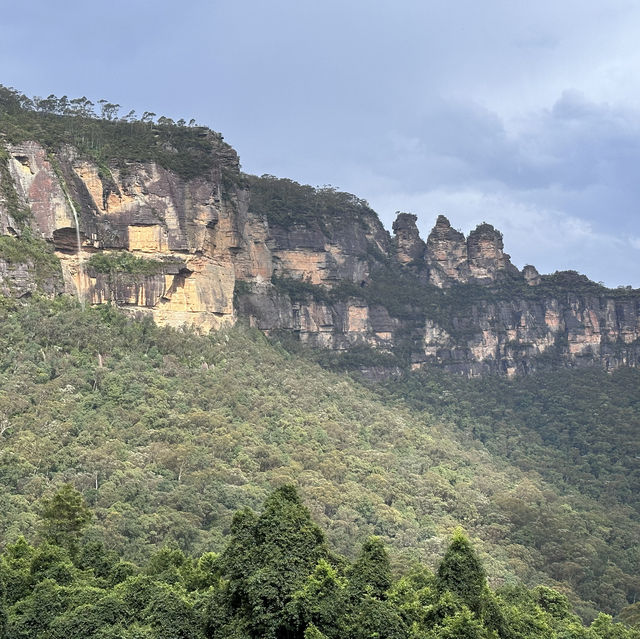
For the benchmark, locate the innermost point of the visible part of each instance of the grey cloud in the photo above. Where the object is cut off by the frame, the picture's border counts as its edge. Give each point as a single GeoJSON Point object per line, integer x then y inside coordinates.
{"type": "Point", "coordinates": [406, 99]}
{"type": "Point", "coordinates": [567, 176]}
{"type": "Point", "coordinates": [574, 144]}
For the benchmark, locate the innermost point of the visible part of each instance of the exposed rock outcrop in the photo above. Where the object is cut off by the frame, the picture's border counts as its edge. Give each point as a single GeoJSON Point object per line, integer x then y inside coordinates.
{"type": "Point", "coordinates": [203, 253]}
{"type": "Point", "coordinates": [531, 275]}
{"type": "Point", "coordinates": [487, 260]}
{"type": "Point", "coordinates": [410, 247]}
{"type": "Point", "coordinates": [522, 335]}
{"type": "Point", "coordinates": [148, 211]}
{"type": "Point", "coordinates": [16, 279]}
{"type": "Point", "coordinates": [479, 258]}
{"type": "Point", "coordinates": [447, 256]}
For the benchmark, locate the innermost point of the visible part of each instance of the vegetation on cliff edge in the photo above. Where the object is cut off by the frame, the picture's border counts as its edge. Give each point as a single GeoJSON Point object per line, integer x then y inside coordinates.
{"type": "Point", "coordinates": [54, 122]}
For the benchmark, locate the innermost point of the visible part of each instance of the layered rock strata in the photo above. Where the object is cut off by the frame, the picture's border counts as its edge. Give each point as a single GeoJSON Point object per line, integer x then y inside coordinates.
{"type": "Point", "coordinates": [523, 335]}
{"type": "Point", "coordinates": [206, 256]}
{"type": "Point", "coordinates": [453, 259]}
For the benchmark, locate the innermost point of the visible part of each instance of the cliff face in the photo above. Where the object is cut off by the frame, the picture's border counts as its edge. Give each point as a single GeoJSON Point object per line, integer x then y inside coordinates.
{"type": "Point", "coordinates": [523, 335]}
{"type": "Point", "coordinates": [208, 250]}
{"type": "Point", "coordinates": [452, 259]}
{"type": "Point", "coordinates": [197, 237]}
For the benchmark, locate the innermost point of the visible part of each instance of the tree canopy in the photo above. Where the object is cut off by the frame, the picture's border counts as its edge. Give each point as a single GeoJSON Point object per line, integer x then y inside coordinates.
{"type": "Point", "coordinates": [275, 579]}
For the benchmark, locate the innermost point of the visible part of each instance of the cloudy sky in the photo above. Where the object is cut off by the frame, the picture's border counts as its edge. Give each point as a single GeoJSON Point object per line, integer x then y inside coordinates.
{"type": "Point", "coordinates": [525, 117]}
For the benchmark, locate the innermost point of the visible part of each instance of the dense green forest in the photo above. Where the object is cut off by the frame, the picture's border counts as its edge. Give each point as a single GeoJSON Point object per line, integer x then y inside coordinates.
{"type": "Point", "coordinates": [577, 428]}
{"type": "Point", "coordinates": [167, 433]}
{"type": "Point", "coordinates": [276, 578]}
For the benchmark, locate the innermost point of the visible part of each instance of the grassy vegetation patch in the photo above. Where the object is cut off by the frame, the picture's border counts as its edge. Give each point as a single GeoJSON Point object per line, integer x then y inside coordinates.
{"type": "Point", "coordinates": [28, 249]}
{"type": "Point", "coordinates": [125, 262]}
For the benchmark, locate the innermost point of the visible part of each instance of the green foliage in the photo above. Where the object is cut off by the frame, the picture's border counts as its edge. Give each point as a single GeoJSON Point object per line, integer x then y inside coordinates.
{"type": "Point", "coordinates": [320, 602]}
{"type": "Point", "coordinates": [268, 559]}
{"type": "Point", "coordinates": [371, 572]}
{"type": "Point", "coordinates": [87, 620]}
{"type": "Point", "coordinates": [308, 602]}
{"type": "Point", "coordinates": [460, 625]}
{"type": "Point", "coordinates": [94, 556]}
{"type": "Point", "coordinates": [31, 250]}
{"type": "Point", "coordinates": [603, 626]}
{"type": "Point", "coordinates": [54, 122]}
{"type": "Point", "coordinates": [286, 203]}
{"type": "Point", "coordinates": [461, 572]}
{"type": "Point", "coordinates": [630, 615]}
{"type": "Point", "coordinates": [360, 357]}
{"type": "Point", "coordinates": [65, 515]}
{"type": "Point", "coordinates": [413, 595]}
{"type": "Point", "coordinates": [578, 430]}
{"type": "Point", "coordinates": [3, 606]}
{"type": "Point", "coordinates": [34, 614]}
{"type": "Point", "coordinates": [171, 615]}
{"type": "Point", "coordinates": [313, 633]}
{"type": "Point", "coordinates": [165, 450]}
{"type": "Point", "coordinates": [124, 262]}
{"type": "Point", "coordinates": [51, 561]}
{"type": "Point", "coordinates": [375, 619]}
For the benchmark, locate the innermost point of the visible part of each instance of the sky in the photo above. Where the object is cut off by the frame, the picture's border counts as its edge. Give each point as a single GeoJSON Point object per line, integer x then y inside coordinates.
{"type": "Point", "coordinates": [526, 116]}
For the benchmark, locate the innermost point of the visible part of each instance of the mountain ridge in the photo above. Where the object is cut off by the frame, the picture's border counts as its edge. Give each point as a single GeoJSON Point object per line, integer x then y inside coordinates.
{"type": "Point", "coordinates": [210, 245]}
{"type": "Point", "coordinates": [167, 432]}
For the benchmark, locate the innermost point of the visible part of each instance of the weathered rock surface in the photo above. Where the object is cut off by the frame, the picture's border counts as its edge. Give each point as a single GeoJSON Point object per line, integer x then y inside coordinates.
{"type": "Point", "coordinates": [215, 258]}
{"type": "Point", "coordinates": [16, 279]}
{"type": "Point", "coordinates": [410, 247]}
{"type": "Point", "coordinates": [453, 259]}
{"type": "Point", "coordinates": [531, 275]}
{"type": "Point", "coordinates": [509, 337]}
{"type": "Point", "coordinates": [149, 212]}
{"type": "Point", "coordinates": [447, 256]}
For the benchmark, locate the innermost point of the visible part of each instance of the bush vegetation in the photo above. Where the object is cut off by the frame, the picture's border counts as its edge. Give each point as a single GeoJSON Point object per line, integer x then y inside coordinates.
{"type": "Point", "coordinates": [124, 262]}
{"type": "Point", "coordinates": [190, 151]}
{"type": "Point", "coordinates": [276, 577]}
{"type": "Point", "coordinates": [285, 203]}
{"type": "Point", "coordinates": [167, 433]}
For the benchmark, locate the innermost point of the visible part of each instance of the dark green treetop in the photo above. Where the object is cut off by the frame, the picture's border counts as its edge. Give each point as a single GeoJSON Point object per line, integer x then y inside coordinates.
{"type": "Point", "coordinates": [64, 517]}
{"type": "Point", "coordinates": [461, 572]}
{"type": "Point", "coordinates": [371, 572]}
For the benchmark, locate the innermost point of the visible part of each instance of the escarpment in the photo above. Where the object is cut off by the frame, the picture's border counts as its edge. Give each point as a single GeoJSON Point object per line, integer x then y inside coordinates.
{"type": "Point", "coordinates": [211, 247]}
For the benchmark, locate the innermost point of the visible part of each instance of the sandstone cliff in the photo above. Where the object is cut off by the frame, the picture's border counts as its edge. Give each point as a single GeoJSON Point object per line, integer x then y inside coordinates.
{"type": "Point", "coordinates": [208, 249]}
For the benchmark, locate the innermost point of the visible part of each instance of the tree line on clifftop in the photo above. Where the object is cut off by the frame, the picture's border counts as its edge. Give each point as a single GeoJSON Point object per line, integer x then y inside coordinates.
{"type": "Point", "coordinates": [13, 101]}
{"type": "Point", "coordinates": [184, 147]}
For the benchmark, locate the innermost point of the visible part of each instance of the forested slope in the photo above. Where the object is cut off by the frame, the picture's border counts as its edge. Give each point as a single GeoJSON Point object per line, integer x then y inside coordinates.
{"type": "Point", "coordinates": [276, 578]}
{"type": "Point", "coordinates": [166, 434]}
{"type": "Point", "coordinates": [577, 427]}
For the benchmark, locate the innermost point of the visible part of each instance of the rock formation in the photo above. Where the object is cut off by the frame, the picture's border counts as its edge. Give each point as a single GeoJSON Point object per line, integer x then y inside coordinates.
{"type": "Point", "coordinates": [453, 259]}
{"type": "Point", "coordinates": [205, 251]}
{"type": "Point", "coordinates": [447, 256]}
{"type": "Point", "coordinates": [410, 247]}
